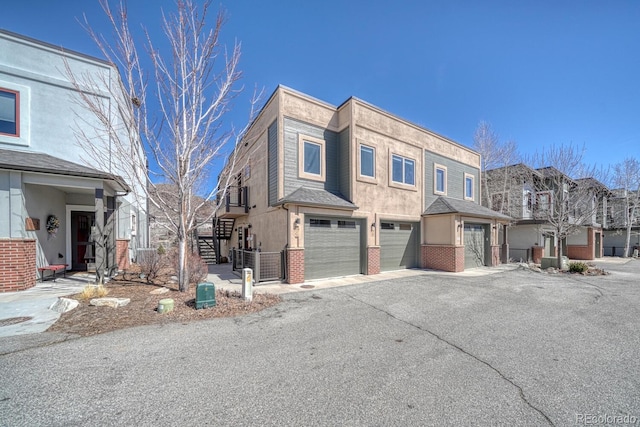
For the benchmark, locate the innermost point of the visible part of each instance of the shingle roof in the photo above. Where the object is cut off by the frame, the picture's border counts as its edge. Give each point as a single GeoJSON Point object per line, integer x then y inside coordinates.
{"type": "Point", "coordinates": [316, 197]}
{"type": "Point", "coordinates": [446, 205]}
{"type": "Point", "coordinates": [44, 163]}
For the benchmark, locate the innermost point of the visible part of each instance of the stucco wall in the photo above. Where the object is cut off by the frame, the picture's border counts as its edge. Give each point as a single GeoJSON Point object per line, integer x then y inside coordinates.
{"type": "Point", "coordinates": [579, 238]}
{"type": "Point", "coordinates": [40, 202]}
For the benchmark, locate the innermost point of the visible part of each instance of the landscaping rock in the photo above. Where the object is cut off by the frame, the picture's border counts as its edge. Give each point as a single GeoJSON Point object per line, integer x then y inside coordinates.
{"type": "Point", "coordinates": [63, 305]}
{"type": "Point", "coordinates": [159, 291]}
{"type": "Point", "coordinates": [109, 302]}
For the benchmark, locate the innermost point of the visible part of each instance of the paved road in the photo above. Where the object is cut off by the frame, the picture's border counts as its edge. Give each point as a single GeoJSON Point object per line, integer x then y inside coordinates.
{"type": "Point", "coordinates": [514, 348]}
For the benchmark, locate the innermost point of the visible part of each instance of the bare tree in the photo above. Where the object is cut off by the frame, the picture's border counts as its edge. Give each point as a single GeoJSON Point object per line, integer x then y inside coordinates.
{"type": "Point", "coordinates": [496, 156]}
{"type": "Point", "coordinates": [626, 179]}
{"type": "Point", "coordinates": [173, 111]}
{"type": "Point", "coordinates": [567, 191]}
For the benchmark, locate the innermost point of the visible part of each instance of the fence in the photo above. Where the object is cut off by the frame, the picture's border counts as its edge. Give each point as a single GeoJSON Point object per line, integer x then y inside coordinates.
{"type": "Point", "coordinates": [265, 265]}
{"type": "Point", "coordinates": [145, 255]}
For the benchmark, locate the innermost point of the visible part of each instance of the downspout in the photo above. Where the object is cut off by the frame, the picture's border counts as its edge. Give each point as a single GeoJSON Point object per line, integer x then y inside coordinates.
{"type": "Point", "coordinates": [285, 269]}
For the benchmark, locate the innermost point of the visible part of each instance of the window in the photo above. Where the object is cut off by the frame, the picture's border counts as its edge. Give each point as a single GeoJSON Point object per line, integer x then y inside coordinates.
{"type": "Point", "coordinates": [9, 112]}
{"type": "Point", "coordinates": [367, 161]}
{"type": "Point", "coordinates": [543, 202]}
{"type": "Point", "coordinates": [440, 180]}
{"type": "Point", "coordinates": [133, 224]}
{"type": "Point", "coordinates": [346, 224]}
{"type": "Point", "coordinates": [403, 170]}
{"type": "Point", "coordinates": [387, 226]}
{"type": "Point", "coordinates": [311, 153]}
{"type": "Point", "coordinates": [528, 200]}
{"type": "Point", "coordinates": [406, 227]}
{"type": "Point", "coordinates": [324, 223]}
{"type": "Point", "coordinates": [469, 186]}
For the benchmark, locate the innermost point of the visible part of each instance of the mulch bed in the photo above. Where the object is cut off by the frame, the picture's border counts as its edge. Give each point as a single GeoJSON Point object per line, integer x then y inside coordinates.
{"type": "Point", "coordinates": [88, 320]}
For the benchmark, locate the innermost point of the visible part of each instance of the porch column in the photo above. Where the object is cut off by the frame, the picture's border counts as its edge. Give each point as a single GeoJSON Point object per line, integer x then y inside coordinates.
{"type": "Point", "coordinates": [98, 234]}
{"type": "Point", "coordinates": [504, 255]}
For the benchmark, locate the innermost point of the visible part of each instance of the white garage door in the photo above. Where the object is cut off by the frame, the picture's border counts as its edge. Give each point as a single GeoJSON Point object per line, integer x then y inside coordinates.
{"type": "Point", "coordinates": [398, 245]}
{"type": "Point", "coordinates": [331, 247]}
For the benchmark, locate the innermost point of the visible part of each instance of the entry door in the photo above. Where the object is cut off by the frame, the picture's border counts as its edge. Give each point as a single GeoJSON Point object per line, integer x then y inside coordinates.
{"type": "Point", "coordinates": [598, 245]}
{"type": "Point", "coordinates": [83, 249]}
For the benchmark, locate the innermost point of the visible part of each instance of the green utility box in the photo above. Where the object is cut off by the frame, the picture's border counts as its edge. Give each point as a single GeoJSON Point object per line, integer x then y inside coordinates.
{"type": "Point", "coordinates": [205, 295]}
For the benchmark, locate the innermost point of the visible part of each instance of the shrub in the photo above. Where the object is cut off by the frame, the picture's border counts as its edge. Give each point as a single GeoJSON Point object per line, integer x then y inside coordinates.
{"type": "Point", "coordinates": [198, 269]}
{"type": "Point", "coordinates": [161, 250]}
{"type": "Point", "coordinates": [92, 291]}
{"type": "Point", "coordinates": [150, 262]}
{"type": "Point", "coordinates": [578, 267]}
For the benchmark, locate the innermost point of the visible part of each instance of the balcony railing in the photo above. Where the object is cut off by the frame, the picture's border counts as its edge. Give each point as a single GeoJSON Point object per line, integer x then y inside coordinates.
{"type": "Point", "coordinates": [236, 202]}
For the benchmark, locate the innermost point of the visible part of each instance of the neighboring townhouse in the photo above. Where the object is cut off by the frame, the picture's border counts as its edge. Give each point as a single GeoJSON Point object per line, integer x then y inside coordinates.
{"type": "Point", "coordinates": [550, 210]}
{"type": "Point", "coordinates": [620, 208]}
{"type": "Point", "coordinates": [351, 190]}
{"type": "Point", "coordinates": [54, 209]}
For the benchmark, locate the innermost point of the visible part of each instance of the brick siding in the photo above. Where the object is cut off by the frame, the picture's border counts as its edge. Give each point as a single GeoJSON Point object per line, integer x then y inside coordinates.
{"type": "Point", "coordinates": [295, 266]}
{"type": "Point", "coordinates": [536, 254]}
{"type": "Point", "coordinates": [122, 254]}
{"type": "Point", "coordinates": [17, 264]}
{"type": "Point", "coordinates": [443, 257]}
{"type": "Point", "coordinates": [373, 260]}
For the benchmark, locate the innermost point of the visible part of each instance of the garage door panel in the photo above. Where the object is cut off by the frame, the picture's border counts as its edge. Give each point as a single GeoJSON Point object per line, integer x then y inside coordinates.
{"type": "Point", "coordinates": [398, 245]}
{"type": "Point", "coordinates": [474, 244]}
{"type": "Point", "coordinates": [332, 247]}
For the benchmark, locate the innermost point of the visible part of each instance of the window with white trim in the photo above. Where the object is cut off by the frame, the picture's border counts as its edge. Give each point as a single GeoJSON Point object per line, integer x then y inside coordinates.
{"type": "Point", "coordinates": [9, 112]}
{"type": "Point", "coordinates": [403, 170]}
{"type": "Point", "coordinates": [469, 187]}
{"type": "Point", "coordinates": [367, 161]}
{"type": "Point", "coordinates": [311, 152]}
{"type": "Point", "coordinates": [439, 179]}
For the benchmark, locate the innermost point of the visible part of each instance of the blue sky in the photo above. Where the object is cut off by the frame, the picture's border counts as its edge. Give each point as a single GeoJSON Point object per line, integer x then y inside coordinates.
{"type": "Point", "coordinates": [541, 72]}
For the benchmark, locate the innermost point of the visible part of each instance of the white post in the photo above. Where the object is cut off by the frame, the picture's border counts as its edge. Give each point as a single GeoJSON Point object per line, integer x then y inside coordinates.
{"type": "Point", "coordinates": [247, 284]}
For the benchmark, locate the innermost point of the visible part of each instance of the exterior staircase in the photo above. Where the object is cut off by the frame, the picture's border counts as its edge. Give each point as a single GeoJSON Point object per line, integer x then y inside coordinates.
{"type": "Point", "coordinates": [207, 249]}
{"type": "Point", "coordinates": [209, 245]}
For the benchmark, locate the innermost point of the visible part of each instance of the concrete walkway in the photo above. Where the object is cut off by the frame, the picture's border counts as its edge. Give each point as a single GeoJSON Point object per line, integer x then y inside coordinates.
{"type": "Point", "coordinates": [33, 304]}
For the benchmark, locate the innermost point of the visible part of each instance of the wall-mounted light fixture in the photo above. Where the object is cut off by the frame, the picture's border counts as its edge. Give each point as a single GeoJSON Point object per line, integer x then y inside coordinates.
{"type": "Point", "coordinates": [296, 223]}
{"type": "Point", "coordinates": [373, 226]}
{"type": "Point", "coordinates": [459, 226]}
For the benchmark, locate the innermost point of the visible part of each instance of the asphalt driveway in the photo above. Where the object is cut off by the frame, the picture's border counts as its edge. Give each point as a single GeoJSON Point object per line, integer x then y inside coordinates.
{"type": "Point", "coordinates": [513, 348]}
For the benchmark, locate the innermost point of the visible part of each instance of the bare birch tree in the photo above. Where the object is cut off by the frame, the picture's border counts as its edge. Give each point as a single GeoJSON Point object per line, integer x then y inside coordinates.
{"type": "Point", "coordinates": [626, 179]}
{"type": "Point", "coordinates": [494, 155]}
{"type": "Point", "coordinates": [567, 191]}
{"type": "Point", "coordinates": [172, 111]}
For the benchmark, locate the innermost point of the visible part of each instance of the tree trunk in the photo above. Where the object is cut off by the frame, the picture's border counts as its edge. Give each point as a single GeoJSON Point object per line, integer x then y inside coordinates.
{"type": "Point", "coordinates": [627, 243]}
{"type": "Point", "coordinates": [183, 267]}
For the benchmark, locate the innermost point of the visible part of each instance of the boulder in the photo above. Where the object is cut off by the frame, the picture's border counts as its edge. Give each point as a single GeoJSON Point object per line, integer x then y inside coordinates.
{"type": "Point", "coordinates": [62, 305]}
{"type": "Point", "coordinates": [159, 291]}
{"type": "Point", "coordinates": [110, 302]}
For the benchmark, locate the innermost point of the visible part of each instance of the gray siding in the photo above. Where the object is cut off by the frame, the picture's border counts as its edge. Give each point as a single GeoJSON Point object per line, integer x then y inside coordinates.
{"type": "Point", "coordinates": [273, 162]}
{"type": "Point", "coordinates": [293, 128]}
{"type": "Point", "coordinates": [344, 164]}
{"type": "Point", "coordinates": [455, 178]}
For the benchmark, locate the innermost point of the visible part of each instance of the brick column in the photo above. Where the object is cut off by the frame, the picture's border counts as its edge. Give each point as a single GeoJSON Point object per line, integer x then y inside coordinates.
{"type": "Point", "coordinates": [122, 254]}
{"type": "Point", "coordinates": [295, 265]}
{"type": "Point", "coordinates": [536, 254]}
{"type": "Point", "coordinates": [17, 264]}
{"type": "Point", "coordinates": [373, 260]}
